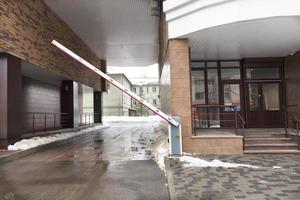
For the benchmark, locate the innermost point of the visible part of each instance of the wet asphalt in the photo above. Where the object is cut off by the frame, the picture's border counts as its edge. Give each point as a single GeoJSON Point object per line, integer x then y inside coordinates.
{"type": "Point", "coordinates": [111, 164]}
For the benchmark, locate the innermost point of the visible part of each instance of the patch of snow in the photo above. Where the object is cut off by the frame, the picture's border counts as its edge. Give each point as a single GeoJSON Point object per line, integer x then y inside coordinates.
{"type": "Point", "coordinates": [197, 162]}
{"type": "Point", "coordinates": [262, 182]}
{"type": "Point", "coordinates": [41, 140]}
{"type": "Point", "coordinates": [153, 118]}
{"type": "Point", "coordinates": [277, 167]}
{"type": "Point", "coordinates": [160, 147]}
{"type": "Point", "coordinates": [161, 153]}
{"type": "Point", "coordinates": [188, 154]}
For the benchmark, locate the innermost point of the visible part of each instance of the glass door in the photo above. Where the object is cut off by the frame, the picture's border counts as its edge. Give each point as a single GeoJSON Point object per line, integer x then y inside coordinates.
{"type": "Point", "coordinates": [264, 105]}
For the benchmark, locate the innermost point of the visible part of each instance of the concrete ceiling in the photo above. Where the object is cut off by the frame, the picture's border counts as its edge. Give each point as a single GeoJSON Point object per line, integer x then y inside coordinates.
{"type": "Point", "coordinates": [268, 37]}
{"type": "Point", "coordinates": [121, 31]}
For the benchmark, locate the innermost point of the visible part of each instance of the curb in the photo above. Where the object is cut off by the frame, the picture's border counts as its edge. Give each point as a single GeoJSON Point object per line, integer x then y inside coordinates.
{"type": "Point", "coordinates": [171, 187]}
{"type": "Point", "coordinates": [22, 153]}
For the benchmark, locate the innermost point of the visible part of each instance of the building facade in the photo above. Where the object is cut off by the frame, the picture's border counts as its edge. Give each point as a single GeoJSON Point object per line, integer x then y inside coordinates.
{"type": "Point", "coordinates": [41, 88]}
{"type": "Point", "coordinates": [116, 102]}
{"type": "Point", "coordinates": [149, 92]}
{"type": "Point", "coordinates": [226, 65]}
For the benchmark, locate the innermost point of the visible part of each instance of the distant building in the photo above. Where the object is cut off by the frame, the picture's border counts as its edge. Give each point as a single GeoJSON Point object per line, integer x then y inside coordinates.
{"type": "Point", "coordinates": [117, 103]}
{"type": "Point", "coordinates": [149, 92]}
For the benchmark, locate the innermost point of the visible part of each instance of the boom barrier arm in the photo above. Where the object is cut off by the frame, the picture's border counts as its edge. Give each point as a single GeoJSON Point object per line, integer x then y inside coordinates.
{"type": "Point", "coordinates": [115, 83]}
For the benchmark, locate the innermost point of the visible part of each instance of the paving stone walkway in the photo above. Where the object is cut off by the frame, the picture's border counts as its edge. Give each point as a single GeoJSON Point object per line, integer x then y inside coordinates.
{"type": "Point", "coordinates": [268, 182]}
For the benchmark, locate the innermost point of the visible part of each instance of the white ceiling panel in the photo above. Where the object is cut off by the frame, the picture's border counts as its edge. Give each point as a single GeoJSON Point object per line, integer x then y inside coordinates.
{"type": "Point", "coordinates": [271, 37]}
{"type": "Point", "coordinates": [121, 31]}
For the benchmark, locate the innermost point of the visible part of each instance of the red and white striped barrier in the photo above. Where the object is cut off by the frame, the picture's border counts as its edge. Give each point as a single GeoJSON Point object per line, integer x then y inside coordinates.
{"type": "Point", "coordinates": [115, 83]}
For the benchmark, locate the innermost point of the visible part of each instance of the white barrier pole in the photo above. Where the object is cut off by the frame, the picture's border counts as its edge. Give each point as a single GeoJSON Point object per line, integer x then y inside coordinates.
{"type": "Point", "coordinates": [115, 83]}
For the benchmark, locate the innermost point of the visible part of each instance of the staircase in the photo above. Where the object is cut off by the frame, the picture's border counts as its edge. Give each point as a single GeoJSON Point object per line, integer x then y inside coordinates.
{"type": "Point", "coordinates": [268, 141]}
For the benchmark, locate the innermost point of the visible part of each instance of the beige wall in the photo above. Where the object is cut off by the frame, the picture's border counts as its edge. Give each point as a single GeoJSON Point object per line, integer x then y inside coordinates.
{"type": "Point", "coordinates": [181, 84]}
{"type": "Point", "coordinates": [214, 145]}
{"type": "Point", "coordinates": [176, 100]}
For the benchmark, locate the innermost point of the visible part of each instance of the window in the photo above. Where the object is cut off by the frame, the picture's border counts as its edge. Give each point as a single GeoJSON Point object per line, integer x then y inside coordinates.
{"type": "Point", "coordinates": [212, 64]}
{"type": "Point", "coordinates": [199, 95]}
{"type": "Point", "coordinates": [213, 86]}
{"type": "Point", "coordinates": [232, 96]}
{"type": "Point", "coordinates": [198, 86]}
{"type": "Point", "coordinates": [154, 89]}
{"type": "Point", "coordinates": [154, 102]}
{"type": "Point", "coordinates": [210, 82]}
{"type": "Point", "coordinates": [198, 82]}
{"type": "Point", "coordinates": [253, 97]}
{"type": "Point", "coordinates": [198, 64]}
{"type": "Point", "coordinates": [134, 89]}
{"type": "Point", "coordinates": [230, 64]}
{"type": "Point", "coordinates": [134, 102]}
{"type": "Point", "coordinates": [147, 89]}
{"type": "Point", "coordinates": [262, 73]}
{"type": "Point", "coordinates": [141, 89]}
{"type": "Point", "coordinates": [271, 96]}
{"type": "Point", "coordinates": [230, 74]}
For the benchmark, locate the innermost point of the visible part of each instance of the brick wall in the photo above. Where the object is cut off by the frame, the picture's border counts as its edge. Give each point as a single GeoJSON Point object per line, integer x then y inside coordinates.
{"type": "Point", "coordinates": [26, 31]}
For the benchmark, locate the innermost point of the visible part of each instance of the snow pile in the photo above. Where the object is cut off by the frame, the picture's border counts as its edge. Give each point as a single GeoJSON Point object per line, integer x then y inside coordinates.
{"type": "Point", "coordinates": [277, 167]}
{"type": "Point", "coordinates": [153, 118]}
{"type": "Point", "coordinates": [197, 162]}
{"type": "Point", "coordinates": [161, 152]}
{"type": "Point", "coordinates": [37, 141]}
{"type": "Point", "coordinates": [263, 182]}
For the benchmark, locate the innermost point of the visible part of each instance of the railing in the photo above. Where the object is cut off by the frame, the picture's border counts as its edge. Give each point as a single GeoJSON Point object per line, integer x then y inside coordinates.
{"type": "Point", "coordinates": [89, 118]}
{"type": "Point", "coordinates": [292, 123]}
{"type": "Point", "coordinates": [33, 122]}
{"type": "Point", "coordinates": [217, 117]}
{"type": "Point", "coordinates": [38, 122]}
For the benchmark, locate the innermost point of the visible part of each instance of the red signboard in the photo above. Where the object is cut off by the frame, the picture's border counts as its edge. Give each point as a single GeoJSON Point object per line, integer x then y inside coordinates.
{"type": "Point", "coordinates": [115, 83]}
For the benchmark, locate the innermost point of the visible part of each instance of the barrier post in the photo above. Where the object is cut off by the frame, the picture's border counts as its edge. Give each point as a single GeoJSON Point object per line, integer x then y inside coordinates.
{"type": "Point", "coordinates": [175, 138]}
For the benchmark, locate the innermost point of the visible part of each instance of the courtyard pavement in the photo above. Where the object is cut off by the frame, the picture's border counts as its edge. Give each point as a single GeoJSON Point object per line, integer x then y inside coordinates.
{"type": "Point", "coordinates": [102, 165]}
{"type": "Point", "coordinates": [277, 178]}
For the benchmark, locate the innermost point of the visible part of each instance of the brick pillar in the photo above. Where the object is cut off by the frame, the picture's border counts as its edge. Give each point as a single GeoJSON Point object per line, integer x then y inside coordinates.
{"type": "Point", "coordinates": [181, 103]}
{"type": "Point", "coordinates": [10, 96]}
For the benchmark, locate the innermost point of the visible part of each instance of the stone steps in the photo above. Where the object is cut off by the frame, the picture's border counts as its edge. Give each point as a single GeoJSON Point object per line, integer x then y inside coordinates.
{"type": "Point", "coordinates": [271, 151]}
{"type": "Point", "coordinates": [268, 141]}
{"type": "Point", "coordinates": [272, 146]}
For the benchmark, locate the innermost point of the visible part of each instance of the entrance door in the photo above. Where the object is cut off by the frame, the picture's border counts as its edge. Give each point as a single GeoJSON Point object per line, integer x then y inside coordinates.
{"type": "Point", "coordinates": [264, 105]}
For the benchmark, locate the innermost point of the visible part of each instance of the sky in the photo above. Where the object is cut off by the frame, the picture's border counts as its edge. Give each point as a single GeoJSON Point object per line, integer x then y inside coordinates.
{"type": "Point", "coordinates": [137, 75]}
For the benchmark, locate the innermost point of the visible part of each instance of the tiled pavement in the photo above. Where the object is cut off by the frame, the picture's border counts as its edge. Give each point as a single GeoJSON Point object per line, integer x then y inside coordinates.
{"type": "Point", "coordinates": [265, 183]}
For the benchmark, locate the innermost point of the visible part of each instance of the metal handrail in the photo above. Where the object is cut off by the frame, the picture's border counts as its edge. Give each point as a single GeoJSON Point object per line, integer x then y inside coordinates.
{"type": "Point", "coordinates": [297, 131]}
{"type": "Point", "coordinates": [243, 122]}
{"type": "Point", "coordinates": [42, 121]}
{"type": "Point", "coordinates": [294, 121]}
{"type": "Point", "coordinates": [212, 106]}
{"type": "Point", "coordinates": [237, 118]}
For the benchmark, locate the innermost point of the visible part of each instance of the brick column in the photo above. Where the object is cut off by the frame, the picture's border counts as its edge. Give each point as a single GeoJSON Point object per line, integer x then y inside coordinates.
{"type": "Point", "coordinates": [181, 86]}
{"type": "Point", "coordinates": [10, 96]}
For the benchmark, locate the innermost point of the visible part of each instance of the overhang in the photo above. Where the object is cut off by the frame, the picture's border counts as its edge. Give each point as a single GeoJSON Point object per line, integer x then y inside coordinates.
{"type": "Point", "coordinates": [123, 32]}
